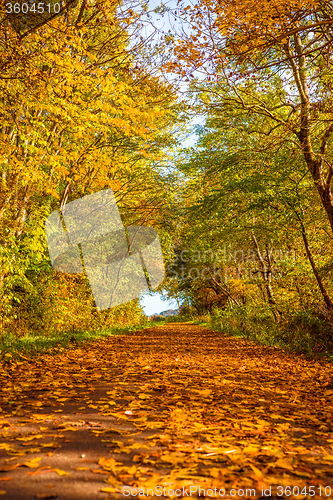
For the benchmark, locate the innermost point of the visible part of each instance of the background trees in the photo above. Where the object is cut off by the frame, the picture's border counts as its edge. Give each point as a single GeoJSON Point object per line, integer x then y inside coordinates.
{"type": "Point", "coordinates": [262, 171]}
{"type": "Point", "coordinates": [78, 114]}
{"type": "Point", "coordinates": [84, 107]}
{"type": "Point", "coordinates": [260, 231]}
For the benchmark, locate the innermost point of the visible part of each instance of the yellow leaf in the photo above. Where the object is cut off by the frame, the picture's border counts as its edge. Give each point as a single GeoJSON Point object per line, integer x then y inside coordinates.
{"type": "Point", "coordinates": [283, 463]}
{"type": "Point", "coordinates": [173, 457]}
{"type": "Point", "coordinates": [214, 472]}
{"type": "Point", "coordinates": [33, 463]}
{"type": "Point", "coordinates": [132, 470]}
{"type": "Point", "coordinates": [61, 472]}
{"type": "Point", "coordinates": [30, 438]}
{"type": "Point", "coordinates": [7, 468]}
{"type": "Point", "coordinates": [5, 446]}
{"type": "Point", "coordinates": [143, 396]}
{"type": "Point", "coordinates": [257, 472]}
{"type": "Point", "coordinates": [251, 449]}
{"type": "Point", "coordinates": [205, 392]}
{"type": "Point", "coordinates": [107, 463]}
{"type": "Point", "coordinates": [53, 444]}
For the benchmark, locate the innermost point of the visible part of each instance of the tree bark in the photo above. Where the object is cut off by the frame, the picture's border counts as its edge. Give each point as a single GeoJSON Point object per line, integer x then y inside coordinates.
{"type": "Point", "coordinates": [324, 293]}
{"type": "Point", "coordinates": [315, 162]}
{"type": "Point", "coordinates": [321, 285]}
{"type": "Point", "coordinates": [266, 271]}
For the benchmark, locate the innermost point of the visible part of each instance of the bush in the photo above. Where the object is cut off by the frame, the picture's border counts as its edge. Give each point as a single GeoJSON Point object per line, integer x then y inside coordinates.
{"type": "Point", "coordinates": [300, 331]}
{"type": "Point", "coordinates": [46, 302]}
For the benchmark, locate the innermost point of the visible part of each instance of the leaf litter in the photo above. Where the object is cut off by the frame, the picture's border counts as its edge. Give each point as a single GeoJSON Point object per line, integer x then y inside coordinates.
{"type": "Point", "coordinates": [174, 405]}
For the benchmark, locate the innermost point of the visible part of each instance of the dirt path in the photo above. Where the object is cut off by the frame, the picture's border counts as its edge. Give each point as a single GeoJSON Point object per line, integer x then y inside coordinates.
{"type": "Point", "coordinates": [175, 407]}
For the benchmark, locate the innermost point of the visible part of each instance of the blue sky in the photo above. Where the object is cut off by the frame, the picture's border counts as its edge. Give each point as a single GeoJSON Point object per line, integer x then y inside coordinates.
{"type": "Point", "coordinates": [154, 304]}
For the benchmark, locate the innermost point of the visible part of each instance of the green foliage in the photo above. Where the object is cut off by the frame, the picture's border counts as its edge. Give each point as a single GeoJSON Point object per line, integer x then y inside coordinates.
{"type": "Point", "coordinates": [57, 303]}
{"type": "Point", "coordinates": [246, 201]}
{"type": "Point", "coordinates": [302, 331]}
{"type": "Point", "coordinates": [12, 347]}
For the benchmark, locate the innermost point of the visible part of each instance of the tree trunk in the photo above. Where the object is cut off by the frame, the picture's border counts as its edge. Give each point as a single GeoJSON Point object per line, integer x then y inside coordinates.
{"type": "Point", "coordinates": [315, 162]}
{"type": "Point", "coordinates": [266, 271]}
{"type": "Point", "coordinates": [322, 288]}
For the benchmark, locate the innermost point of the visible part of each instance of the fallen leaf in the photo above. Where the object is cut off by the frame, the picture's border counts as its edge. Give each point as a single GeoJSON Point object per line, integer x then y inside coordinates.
{"type": "Point", "coordinates": [6, 468]}
{"type": "Point", "coordinates": [108, 463]}
{"type": "Point", "coordinates": [257, 472]}
{"type": "Point", "coordinates": [283, 463]}
{"type": "Point", "coordinates": [60, 472]}
{"type": "Point", "coordinates": [34, 462]}
{"type": "Point", "coordinates": [30, 438]}
{"type": "Point", "coordinates": [41, 470]}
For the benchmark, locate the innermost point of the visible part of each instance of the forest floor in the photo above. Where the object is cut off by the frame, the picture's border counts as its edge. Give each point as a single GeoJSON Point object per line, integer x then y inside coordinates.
{"type": "Point", "coordinates": [174, 407]}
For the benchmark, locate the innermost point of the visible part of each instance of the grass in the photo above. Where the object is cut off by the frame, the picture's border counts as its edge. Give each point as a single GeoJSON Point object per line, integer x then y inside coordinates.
{"type": "Point", "coordinates": [31, 346]}
{"type": "Point", "coordinates": [178, 319]}
{"type": "Point", "coordinates": [304, 332]}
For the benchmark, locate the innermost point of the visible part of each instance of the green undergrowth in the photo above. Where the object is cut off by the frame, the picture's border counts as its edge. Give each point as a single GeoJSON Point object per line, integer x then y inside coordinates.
{"type": "Point", "coordinates": [179, 319]}
{"type": "Point", "coordinates": [300, 331]}
{"type": "Point", "coordinates": [30, 345]}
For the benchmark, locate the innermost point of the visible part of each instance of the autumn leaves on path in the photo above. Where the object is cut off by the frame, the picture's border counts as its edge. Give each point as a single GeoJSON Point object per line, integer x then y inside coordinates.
{"type": "Point", "coordinates": [177, 407]}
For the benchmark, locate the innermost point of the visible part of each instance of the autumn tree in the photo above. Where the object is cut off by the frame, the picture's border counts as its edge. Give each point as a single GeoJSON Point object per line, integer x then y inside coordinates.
{"type": "Point", "coordinates": [247, 49]}
{"type": "Point", "coordinates": [78, 114]}
{"type": "Point", "coordinates": [249, 215]}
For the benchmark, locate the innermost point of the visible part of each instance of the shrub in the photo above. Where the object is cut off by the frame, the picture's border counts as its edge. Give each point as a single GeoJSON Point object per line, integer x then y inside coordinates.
{"type": "Point", "coordinates": [300, 331]}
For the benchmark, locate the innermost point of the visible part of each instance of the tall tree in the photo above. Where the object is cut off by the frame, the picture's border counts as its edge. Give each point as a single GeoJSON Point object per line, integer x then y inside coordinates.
{"type": "Point", "coordinates": [247, 44]}
{"type": "Point", "coordinates": [78, 114]}
{"type": "Point", "coordinates": [257, 214]}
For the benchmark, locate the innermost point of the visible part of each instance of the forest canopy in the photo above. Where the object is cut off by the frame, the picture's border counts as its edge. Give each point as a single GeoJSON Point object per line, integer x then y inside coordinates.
{"type": "Point", "coordinates": [93, 97]}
